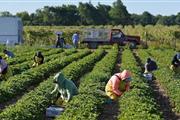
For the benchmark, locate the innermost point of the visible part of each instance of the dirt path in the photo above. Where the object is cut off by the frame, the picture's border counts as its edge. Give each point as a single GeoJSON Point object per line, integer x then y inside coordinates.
{"type": "Point", "coordinates": [163, 100]}
{"type": "Point", "coordinates": [111, 111]}
{"type": "Point", "coordinates": [160, 96]}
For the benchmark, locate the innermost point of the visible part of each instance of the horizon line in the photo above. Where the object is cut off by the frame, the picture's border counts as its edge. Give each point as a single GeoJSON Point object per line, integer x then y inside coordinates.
{"type": "Point", "coordinates": [57, 1]}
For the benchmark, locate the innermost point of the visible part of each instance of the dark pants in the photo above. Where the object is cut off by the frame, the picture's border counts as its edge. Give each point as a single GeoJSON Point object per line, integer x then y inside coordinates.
{"type": "Point", "coordinates": [4, 71]}
{"type": "Point", "coordinates": [59, 44]}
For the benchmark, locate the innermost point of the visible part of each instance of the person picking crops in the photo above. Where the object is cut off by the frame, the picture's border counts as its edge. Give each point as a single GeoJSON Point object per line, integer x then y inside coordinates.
{"type": "Point", "coordinates": [118, 84]}
{"type": "Point", "coordinates": [150, 66]}
{"type": "Point", "coordinates": [60, 42]}
{"type": "Point", "coordinates": [4, 70]}
{"type": "Point", "coordinates": [38, 59]}
{"type": "Point", "coordinates": [175, 63]}
{"type": "Point", "coordinates": [66, 88]}
{"type": "Point", "coordinates": [8, 54]}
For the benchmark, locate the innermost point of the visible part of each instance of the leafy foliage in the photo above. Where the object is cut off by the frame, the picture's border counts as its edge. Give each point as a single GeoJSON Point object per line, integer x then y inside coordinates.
{"type": "Point", "coordinates": [138, 103]}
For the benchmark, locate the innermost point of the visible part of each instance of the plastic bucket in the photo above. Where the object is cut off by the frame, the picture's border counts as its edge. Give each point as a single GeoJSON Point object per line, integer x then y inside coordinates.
{"type": "Point", "coordinates": [148, 76]}
{"type": "Point", "coordinates": [53, 111]}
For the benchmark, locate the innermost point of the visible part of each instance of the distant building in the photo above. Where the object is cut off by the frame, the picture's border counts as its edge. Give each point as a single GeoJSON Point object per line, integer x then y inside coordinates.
{"type": "Point", "coordinates": [11, 30]}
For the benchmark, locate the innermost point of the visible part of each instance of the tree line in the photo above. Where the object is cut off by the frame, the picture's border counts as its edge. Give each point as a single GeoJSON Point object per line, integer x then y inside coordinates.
{"type": "Point", "coordinates": [88, 14]}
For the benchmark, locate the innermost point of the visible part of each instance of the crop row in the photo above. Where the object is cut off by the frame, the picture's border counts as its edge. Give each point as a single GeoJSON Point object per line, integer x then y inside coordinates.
{"type": "Point", "coordinates": [27, 50]}
{"type": "Point", "coordinates": [86, 105]}
{"type": "Point", "coordinates": [19, 83]}
{"type": "Point", "coordinates": [138, 103]}
{"type": "Point", "coordinates": [168, 80]}
{"type": "Point", "coordinates": [33, 105]}
{"type": "Point", "coordinates": [19, 68]}
{"type": "Point", "coordinates": [21, 59]}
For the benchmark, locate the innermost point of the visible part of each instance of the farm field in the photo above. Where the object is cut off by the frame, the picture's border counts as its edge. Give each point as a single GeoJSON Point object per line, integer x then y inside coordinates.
{"type": "Point", "coordinates": [155, 35]}
{"type": "Point", "coordinates": [89, 60]}
{"type": "Point", "coordinates": [26, 94]}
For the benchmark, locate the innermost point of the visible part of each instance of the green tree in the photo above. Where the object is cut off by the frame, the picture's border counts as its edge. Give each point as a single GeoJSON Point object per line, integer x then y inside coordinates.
{"type": "Point", "coordinates": [25, 17]}
{"type": "Point", "coordinates": [135, 19]}
{"type": "Point", "coordinates": [103, 12]}
{"type": "Point", "coordinates": [5, 14]}
{"type": "Point", "coordinates": [177, 20]}
{"type": "Point", "coordinates": [119, 14]}
{"type": "Point", "coordinates": [89, 14]}
{"type": "Point", "coordinates": [147, 18]}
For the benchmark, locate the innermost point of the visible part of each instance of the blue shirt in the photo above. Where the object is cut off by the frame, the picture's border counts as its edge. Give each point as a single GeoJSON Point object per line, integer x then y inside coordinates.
{"type": "Point", "coordinates": [10, 54]}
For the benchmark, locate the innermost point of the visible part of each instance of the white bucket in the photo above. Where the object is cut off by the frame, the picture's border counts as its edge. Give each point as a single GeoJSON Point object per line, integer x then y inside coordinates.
{"type": "Point", "coordinates": [148, 76]}
{"type": "Point", "coordinates": [53, 111]}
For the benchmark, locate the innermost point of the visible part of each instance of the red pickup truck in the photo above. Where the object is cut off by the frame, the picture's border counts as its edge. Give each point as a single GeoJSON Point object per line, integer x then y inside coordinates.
{"type": "Point", "coordinates": [95, 37]}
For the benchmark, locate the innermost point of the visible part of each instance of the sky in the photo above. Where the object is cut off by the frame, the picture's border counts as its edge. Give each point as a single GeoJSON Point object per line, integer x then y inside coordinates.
{"type": "Point", "coordinates": [155, 7]}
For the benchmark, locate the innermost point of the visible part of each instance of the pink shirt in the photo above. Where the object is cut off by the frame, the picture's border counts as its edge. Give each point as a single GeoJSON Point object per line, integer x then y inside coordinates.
{"type": "Point", "coordinates": [115, 82]}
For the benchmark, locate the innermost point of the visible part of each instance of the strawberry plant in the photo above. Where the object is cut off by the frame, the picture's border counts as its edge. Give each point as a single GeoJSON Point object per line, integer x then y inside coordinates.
{"type": "Point", "coordinates": [33, 105]}
{"type": "Point", "coordinates": [138, 103]}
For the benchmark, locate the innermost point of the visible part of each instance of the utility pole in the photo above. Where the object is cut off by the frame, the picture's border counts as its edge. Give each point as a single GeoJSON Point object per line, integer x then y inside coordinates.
{"type": "Point", "coordinates": [145, 34]}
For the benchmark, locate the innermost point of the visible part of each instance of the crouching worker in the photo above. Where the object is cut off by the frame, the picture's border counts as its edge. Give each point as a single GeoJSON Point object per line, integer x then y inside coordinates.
{"type": "Point", "coordinates": [150, 66]}
{"type": "Point", "coordinates": [175, 64]}
{"type": "Point", "coordinates": [38, 59]}
{"type": "Point", "coordinates": [4, 70]}
{"type": "Point", "coordinates": [8, 54]}
{"type": "Point", "coordinates": [66, 88]}
{"type": "Point", "coordinates": [118, 84]}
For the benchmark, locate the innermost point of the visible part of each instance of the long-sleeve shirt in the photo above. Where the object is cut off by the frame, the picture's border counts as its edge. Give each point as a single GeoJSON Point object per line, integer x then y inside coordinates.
{"type": "Point", "coordinates": [9, 54]}
{"type": "Point", "coordinates": [150, 66]}
{"type": "Point", "coordinates": [175, 61]}
{"type": "Point", "coordinates": [65, 87]}
{"type": "Point", "coordinates": [75, 37]}
{"type": "Point", "coordinates": [117, 85]}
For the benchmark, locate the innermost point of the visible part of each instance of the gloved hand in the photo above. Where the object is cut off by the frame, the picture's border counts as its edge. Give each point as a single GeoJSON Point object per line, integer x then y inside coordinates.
{"type": "Point", "coordinates": [145, 72]}
{"type": "Point", "coordinates": [63, 98]}
{"type": "Point", "coordinates": [172, 67]}
{"type": "Point", "coordinates": [66, 100]}
{"type": "Point", "coordinates": [120, 94]}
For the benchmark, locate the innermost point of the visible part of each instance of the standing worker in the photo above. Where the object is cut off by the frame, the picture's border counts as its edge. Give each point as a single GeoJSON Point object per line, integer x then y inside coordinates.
{"type": "Point", "coordinates": [175, 64]}
{"type": "Point", "coordinates": [8, 54]}
{"type": "Point", "coordinates": [60, 42]}
{"type": "Point", "coordinates": [38, 59]}
{"type": "Point", "coordinates": [118, 84]}
{"type": "Point", "coordinates": [75, 39]}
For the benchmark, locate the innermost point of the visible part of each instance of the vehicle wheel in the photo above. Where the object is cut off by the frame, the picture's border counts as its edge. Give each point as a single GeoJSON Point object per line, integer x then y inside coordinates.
{"type": "Point", "coordinates": [133, 45]}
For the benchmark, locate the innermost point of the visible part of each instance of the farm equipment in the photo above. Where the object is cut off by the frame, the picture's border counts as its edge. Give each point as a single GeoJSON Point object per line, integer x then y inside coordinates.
{"type": "Point", "coordinates": [95, 37]}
